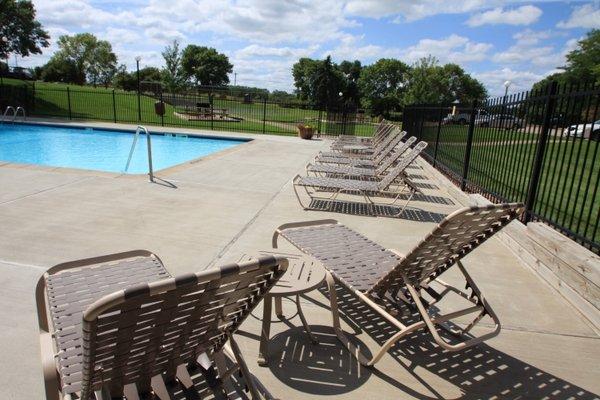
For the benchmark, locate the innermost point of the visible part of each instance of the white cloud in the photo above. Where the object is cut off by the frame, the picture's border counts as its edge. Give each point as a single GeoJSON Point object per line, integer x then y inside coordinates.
{"type": "Point", "coordinates": [255, 50]}
{"type": "Point", "coordinates": [524, 15]}
{"type": "Point", "coordinates": [586, 16]}
{"type": "Point", "coordinates": [411, 10]}
{"type": "Point", "coordinates": [528, 51]}
{"type": "Point", "coordinates": [454, 48]}
{"type": "Point", "coordinates": [520, 80]}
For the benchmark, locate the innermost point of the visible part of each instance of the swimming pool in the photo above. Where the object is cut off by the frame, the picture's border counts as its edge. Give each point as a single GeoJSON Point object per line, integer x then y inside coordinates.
{"type": "Point", "coordinates": [101, 149]}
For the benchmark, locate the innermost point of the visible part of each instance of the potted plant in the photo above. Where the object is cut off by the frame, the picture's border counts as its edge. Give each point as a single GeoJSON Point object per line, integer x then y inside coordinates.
{"type": "Point", "coordinates": [306, 131]}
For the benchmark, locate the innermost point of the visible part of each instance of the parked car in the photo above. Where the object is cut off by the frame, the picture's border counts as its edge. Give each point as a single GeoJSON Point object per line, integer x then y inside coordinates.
{"type": "Point", "coordinates": [463, 118]}
{"type": "Point", "coordinates": [589, 130]}
{"type": "Point", "coordinates": [506, 121]}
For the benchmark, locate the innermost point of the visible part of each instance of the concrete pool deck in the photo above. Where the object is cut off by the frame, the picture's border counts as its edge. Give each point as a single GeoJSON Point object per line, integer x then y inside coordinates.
{"type": "Point", "coordinates": [228, 204]}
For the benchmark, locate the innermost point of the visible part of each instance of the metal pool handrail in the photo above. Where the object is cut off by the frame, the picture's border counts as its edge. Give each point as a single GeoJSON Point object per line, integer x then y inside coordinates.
{"type": "Point", "coordinates": [149, 143]}
{"type": "Point", "coordinates": [16, 114]}
{"type": "Point", "coordinates": [8, 108]}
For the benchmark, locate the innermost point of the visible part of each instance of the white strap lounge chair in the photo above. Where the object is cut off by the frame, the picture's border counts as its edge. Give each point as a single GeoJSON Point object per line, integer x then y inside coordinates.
{"type": "Point", "coordinates": [120, 325]}
{"type": "Point", "coordinates": [385, 280]}
{"type": "Point", "coordinates": [315, 185]}
{"type": "Point", "coordinates": [391, 140]}
{"type": "Point", "coordinates": [351, 172]}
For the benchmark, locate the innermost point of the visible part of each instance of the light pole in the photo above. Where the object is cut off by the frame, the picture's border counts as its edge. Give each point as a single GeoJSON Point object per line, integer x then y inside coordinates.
{"type": "Point", "coordinates": [506, 86]}
{"type": "Point", "coordinates": [137, 64]}
{"type": "Point", "coordinates": [235, 79]}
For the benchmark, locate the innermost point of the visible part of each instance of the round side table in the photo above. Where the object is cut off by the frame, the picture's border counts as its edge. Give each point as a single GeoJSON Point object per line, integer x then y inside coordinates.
{"type": "Point", "coordinates": [302, 276]}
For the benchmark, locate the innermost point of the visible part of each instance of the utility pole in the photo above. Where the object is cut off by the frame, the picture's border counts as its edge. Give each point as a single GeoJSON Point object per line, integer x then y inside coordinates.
{"type": "Point", "coordinates": [235, 79]}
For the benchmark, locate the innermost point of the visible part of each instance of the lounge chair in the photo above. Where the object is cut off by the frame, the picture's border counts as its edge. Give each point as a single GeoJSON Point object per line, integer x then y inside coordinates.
{"type": "Point", "coordinates": [351, 172]}
{"type": "Point", "coordinates": [369, 160]}
{"type": "Point", "coordinates": [351, 139]}
{"type": "Point", "coordinates": [391, 139]}
{"type": "Point", "coordinates": [364, 145]}
{"type": "Point", "coordinates": [120, 325]}
{"type": "Point", "coordinates": [367, 189]}
{"type": "Point", "coordinates": [384, 280]}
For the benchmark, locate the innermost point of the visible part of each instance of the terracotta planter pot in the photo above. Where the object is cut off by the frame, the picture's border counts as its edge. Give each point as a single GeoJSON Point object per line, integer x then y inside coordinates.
{"type": "Point", "coordinates": [305, 132]}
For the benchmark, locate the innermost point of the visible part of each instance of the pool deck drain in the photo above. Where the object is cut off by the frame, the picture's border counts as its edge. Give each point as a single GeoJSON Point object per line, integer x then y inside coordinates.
{"type": "Point", "coordinates": [229, 205]}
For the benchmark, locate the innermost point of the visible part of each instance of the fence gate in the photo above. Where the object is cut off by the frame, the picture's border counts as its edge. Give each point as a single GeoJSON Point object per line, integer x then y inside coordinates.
{"type": "Point", "coordinates": [340, 122]}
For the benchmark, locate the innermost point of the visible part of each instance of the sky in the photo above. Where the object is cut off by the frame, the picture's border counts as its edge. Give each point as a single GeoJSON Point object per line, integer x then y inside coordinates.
{"type": "Point", "coordinates": [493, 40]}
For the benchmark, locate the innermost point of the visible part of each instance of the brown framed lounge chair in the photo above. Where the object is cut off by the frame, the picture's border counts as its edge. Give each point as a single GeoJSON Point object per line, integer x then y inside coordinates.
{"type": "Point", "coordinates": [383, 279]}
{"type": "Point", "coordinates": [386, 145]}
{"type": "Point", "coordinates": [343, 140]}
{"type": "Point", "coordinates": [351, 172]}
{"type": "Point", "coordinates": [120, 325]}
{"type": "Point", "coordinates": [393, 185]}
{"type": "Point", "coordinates": [362, 146]}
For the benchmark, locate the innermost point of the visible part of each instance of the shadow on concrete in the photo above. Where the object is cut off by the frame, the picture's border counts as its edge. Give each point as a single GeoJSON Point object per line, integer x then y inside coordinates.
{"type": "Point", "coordinates": [363, 209]}
{"type": "Point", "coordinates": [480, 372]}
{"type": "Point", "coordinates": [164, 182]}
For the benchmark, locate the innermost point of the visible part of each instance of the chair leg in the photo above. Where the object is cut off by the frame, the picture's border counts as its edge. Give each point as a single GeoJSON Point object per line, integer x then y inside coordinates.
{"type": "Point", "coordinates": [306, 327]}
{"type": "Point", "coordinates": [278, 307]}
{"type": "Point", "coordinates": [249, 379]}
{"type": "Point", "coordinates": [354, 350]}
{"type": "Point", "coordinates": [263, 349]}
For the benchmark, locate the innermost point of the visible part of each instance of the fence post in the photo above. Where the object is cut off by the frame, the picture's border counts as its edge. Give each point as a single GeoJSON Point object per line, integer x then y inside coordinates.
{"type": "Point", "coordinates": [162, 116]}
{"type": "Point", "coordinates": [33, 97]}
{"type": "Point", "coordinates": [538, 161]}
{"type": "Point", "coordinates": [212, 112]}
{"type": "Point", "coordinates": [319, 121]}
{"type": "Point", "coordinates": [114, 107]}
{"type": "Point", "coordinates": [69, 102]}
{"type": "Point", "coordinates": [421, 122]}
{"type": "Point", "coordinates": [463, 184]}
{"type": "Point", "coordinates": [437, 135]}
{"type": "Point", "coordinates": [264, 114]}
{"type": "Point", "coordinates": [139, 100]}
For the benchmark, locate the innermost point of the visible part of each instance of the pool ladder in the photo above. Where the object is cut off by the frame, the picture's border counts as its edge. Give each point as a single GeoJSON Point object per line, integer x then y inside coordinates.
{"type": "Point", "coordinates": [15, 113]}
{"type": "Point", "coordinates": [149, 145]}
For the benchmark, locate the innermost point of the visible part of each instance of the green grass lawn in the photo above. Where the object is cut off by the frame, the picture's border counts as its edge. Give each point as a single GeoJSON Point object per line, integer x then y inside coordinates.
{"type": "Point", "coordinates": [501, 163]}
{"type": "Point", "coordinates": [87, 102]}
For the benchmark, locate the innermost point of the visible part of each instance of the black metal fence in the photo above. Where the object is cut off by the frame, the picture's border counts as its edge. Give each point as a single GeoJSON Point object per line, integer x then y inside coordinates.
{"type": "Point", "coordinates": [213, 110]}
{"type": "Point", "coordinates": [540, 148]}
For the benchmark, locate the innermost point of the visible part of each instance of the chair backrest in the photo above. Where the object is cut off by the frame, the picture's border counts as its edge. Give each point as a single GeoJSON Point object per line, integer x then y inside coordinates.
{"type": "Point", "coordinates": [456, 236]}
{"type": "Point", "coordinates": [382, 132]}
{"type": "Point", "coordinates": [395, 155]}
{"type": "Point", "coordinates": [149, 329]}
{"type": "Point", "coordinates": [383, 150]}
{"type": "Point", "coordinates": [401, 166]}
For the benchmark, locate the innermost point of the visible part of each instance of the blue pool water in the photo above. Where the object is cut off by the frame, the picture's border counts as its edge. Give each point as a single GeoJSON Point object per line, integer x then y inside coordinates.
{"type": "Point", "coordinates": [99, 149]}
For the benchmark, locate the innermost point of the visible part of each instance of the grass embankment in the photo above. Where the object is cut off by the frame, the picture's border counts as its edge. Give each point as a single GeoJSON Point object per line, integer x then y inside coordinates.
{"type": "Point", "coordinates": [501, 163]}
{"type": "Point", "coordinates": [86, 102]}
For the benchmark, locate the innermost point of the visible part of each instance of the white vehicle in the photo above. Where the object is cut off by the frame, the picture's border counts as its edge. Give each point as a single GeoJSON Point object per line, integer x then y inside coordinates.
{"type": "Point", "coordinates": [590, 130]}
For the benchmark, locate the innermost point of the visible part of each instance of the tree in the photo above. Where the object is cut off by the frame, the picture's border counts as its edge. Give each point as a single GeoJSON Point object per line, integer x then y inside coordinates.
{"type": "Point", "coordinates": [383, 84]}
{"type": "Point", "coordinates": [128, 80]}
{"type": "Point", "coordinates": [351, 70]}
{"type": "Point", "coordinates": [205, 65]}
{"type": "Point", "coordinates": [103, 64]}
{"type": "Point", "coordinates": [172, 74]}
{"type": "Point", "coordinates": [124, 80]}
{"type": "Point", "coordinates": [18, 25]}
{"type": "Point", "coordinates": [60, 70]}
{"type": "Point", "coordinates": [583, 63]}
{"type": "Point", "coordinates": [461, 86]}
{"type": "Point", "coordinates": [93, 58]}
{"type": "Point", "coordinates": [430, 83]}
{"type": "Point", "coordinates": [320, 82]}
{"type": "Point", "coordinates": [303, 72]}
